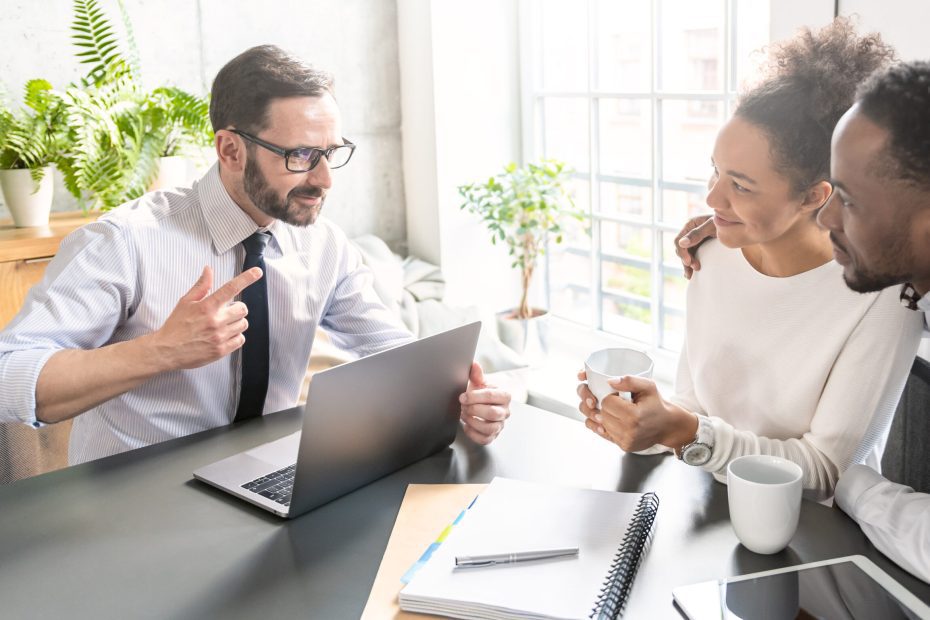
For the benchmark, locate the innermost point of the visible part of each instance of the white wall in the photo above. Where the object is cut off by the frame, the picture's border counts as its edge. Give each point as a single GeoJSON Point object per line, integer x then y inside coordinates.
{"type": "Point", "coordinates": [786, 16]}
{"type": "Point", "coordinates": [902, 23]}
{"type": "Point", "coordinates": [185, 42]}
{"type": "Point", "coordinates": [460, 95]}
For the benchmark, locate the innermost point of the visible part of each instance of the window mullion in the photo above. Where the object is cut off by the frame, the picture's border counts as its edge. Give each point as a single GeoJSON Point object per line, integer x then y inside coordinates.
{"type": "Point", "coordinates": [594, 188]}
{"type": "Point", "coordinates": [658, 204]}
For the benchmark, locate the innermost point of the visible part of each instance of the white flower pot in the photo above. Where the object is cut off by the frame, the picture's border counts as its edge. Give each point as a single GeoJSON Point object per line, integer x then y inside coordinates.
{"type": "Point", "coordinates": [529, 337]}
{"type": "Point", "coordinates": [172, 172]}
{"type": "Point", "coordinates": [28, 202]}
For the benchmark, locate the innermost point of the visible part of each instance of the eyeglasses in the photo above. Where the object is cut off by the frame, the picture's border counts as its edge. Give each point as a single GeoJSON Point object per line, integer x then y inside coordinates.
{"type": "Point", "coordinates": [305, 158]}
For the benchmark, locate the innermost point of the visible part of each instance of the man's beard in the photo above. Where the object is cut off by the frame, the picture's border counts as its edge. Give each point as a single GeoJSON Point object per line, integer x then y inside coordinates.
{"type": "Point", "coordinates": [869, 280]}
{"type": "Point", "coordinates": [863, 281]}
{"type": "Point", "coordinates": [267, 201]}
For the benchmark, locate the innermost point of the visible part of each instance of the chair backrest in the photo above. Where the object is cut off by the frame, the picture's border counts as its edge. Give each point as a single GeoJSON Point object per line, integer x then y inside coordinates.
{"type": "Point", "coordinates": [27, 451]}
{"type": "Point", "coordinates": [905, 458]}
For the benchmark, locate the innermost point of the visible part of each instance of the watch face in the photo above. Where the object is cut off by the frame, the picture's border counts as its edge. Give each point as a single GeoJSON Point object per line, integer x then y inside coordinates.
{"type": "Point", "coordinates": [696, 454]}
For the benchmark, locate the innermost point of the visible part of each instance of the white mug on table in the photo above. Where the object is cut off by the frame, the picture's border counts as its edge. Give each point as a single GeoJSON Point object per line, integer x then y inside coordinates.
{"type": "Point", "coordinates": [765, 501]}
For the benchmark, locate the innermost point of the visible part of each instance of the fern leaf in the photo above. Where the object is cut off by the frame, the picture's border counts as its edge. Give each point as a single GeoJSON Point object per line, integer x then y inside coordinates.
{"type": "Point", "coordinates": [36, 94]}
{"type": "Point", "coordinates": [134, 63]}
{"type": "Point", "coordinates": [94, 37]}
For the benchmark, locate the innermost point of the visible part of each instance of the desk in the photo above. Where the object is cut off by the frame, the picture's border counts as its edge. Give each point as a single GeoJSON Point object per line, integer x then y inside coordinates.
{"type": "Point", "coordinates": [134, 535]}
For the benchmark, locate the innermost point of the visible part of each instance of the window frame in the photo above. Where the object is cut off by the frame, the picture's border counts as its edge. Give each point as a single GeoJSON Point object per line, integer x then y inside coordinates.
{"type": "Point", "coordinates": [533, 142]}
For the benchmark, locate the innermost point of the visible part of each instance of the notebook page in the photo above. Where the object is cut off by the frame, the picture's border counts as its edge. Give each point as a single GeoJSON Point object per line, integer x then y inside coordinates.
{"type": "Point", "coordinates": [512, 515]}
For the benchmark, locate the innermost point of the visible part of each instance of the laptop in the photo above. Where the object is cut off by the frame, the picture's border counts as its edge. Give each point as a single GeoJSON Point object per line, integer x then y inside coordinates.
{"type": "Point", "coordinates": [362, 421]}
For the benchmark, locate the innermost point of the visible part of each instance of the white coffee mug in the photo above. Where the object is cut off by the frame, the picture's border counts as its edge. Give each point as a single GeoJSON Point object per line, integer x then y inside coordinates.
{"type": "Point", "coordinates": [608, 364]}
{"type": "Point", "coordinates": [765, 501]}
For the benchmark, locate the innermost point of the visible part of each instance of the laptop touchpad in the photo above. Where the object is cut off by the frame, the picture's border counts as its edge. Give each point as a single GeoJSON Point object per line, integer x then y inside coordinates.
{"type": "Point", "coordinates": [280, 453]}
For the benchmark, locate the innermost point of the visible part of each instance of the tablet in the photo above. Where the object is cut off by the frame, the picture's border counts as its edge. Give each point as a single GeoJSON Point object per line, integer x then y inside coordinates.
{"type": "Point", "coordinates": [848, 587]}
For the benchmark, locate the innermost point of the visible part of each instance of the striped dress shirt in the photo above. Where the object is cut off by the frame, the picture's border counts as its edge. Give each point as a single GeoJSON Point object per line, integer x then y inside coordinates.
{"type": "Point", "coordinates": [120, 277]}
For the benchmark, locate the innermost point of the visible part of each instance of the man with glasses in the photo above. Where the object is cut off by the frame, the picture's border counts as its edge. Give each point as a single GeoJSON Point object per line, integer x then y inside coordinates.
{"type": "Point", "coordinates": [879, 222]}
{"type": "Point", "coordinates": [117, 337]}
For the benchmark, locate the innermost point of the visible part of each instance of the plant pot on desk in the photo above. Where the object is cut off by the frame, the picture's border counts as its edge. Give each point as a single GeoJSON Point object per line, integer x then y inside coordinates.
{"type": "Point", "coordinates": [172, 172]}
{"type": "Point", "coordinates": [528, 337]}
{"type": "Point", "coordinates": [29, 202]}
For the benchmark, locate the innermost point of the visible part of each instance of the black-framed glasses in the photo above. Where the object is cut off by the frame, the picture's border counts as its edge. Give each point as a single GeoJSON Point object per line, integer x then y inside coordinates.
{"type": "Point", "coordinates": [305, 158]}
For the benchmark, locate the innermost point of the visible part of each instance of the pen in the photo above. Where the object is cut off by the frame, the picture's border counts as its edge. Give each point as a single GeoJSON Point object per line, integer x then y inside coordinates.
{"type": "Point", "coordinates": [476, 561]}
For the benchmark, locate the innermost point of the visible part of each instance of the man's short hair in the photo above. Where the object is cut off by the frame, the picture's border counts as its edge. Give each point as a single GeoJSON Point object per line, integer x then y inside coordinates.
{"type": "Point", "coordinates": [898, 99]}
{"type": "Point", "coordinates": [248, 83]}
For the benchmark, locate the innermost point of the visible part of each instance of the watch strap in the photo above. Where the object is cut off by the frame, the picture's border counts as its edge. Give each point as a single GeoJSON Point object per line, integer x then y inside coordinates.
{"type": "Point", "coordinates": [705, 435]}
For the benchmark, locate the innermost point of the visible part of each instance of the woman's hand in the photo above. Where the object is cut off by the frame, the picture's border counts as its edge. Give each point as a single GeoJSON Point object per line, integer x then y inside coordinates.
{"type": "Point", "coordinates": [588, 407]}
{"type": "Point", "coordinates": [645, 421]}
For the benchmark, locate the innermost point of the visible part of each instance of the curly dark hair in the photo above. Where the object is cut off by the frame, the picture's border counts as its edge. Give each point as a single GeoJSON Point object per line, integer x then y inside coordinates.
{"type": "Point", "coordinates": [807, 83]}
{"type": "Point", "coordinates": [898, 99]}
{"type": "Point", "coordinates": [247, 84]}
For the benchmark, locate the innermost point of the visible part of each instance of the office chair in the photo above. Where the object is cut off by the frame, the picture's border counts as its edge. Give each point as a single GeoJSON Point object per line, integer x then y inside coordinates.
{"type": "Point", "coordinates": [904, 460]}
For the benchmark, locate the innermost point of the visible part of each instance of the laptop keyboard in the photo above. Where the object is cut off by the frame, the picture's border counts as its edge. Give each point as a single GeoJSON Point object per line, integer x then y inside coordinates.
{"type": "Point", "coordinates": [276, 486]}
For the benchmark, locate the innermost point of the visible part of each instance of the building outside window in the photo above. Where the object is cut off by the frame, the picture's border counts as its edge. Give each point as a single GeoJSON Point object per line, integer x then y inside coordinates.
{"type": "Point", "coordinates": [631, 95]}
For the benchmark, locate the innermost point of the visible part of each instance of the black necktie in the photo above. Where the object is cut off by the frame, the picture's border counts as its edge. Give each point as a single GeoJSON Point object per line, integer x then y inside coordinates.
{"type": "Point", "coordinates": [254, 384]}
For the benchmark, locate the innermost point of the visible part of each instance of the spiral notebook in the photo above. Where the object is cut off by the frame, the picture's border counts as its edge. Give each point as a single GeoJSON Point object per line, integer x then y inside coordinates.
{"type": "Point", "coordinates": [610, 529]}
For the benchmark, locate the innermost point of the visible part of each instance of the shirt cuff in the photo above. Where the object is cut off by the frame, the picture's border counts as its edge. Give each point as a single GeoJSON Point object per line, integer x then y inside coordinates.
{"type": "Point", "coordinates": [656, 449]}
{"type": "Point", "coordinates": [19, 375]}
{"type": "Point", "coordinates": [854, 482]}
{"type": "Point", "coordinates": [724, 436]}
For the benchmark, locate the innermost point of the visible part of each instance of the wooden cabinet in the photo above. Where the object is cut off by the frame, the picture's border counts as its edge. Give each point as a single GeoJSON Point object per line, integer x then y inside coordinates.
{"type": "Point", "coordinates": [24, 254]}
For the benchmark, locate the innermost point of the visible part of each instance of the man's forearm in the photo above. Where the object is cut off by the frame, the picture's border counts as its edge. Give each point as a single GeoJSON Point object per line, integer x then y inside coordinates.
{"type": "Point", "coordinates": [201, 329]}
{"type": "Point", "coordinates": [73, 381]}
{"type": "Point", "coordinates": [893, 516]}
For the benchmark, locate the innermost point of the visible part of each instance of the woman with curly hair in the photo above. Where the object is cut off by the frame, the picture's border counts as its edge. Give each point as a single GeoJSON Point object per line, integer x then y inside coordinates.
{"type": "Point", "coordinates": [780, 357]}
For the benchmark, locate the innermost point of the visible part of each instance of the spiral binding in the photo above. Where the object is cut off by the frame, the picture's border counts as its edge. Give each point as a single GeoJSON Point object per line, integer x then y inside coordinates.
{"type": "Point", "coordinates": [612, 598]}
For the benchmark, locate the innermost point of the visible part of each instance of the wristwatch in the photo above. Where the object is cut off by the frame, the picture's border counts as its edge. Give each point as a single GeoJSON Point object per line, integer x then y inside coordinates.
{"type": "Point", "coordinates": [701, 448]}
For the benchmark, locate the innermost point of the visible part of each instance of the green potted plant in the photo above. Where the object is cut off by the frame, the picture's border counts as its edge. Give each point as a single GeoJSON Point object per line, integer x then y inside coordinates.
{"type": "Point", "coordinates": [119, 134]}
{"type": "Point", "coordinates": [30, 140]}
{"type": "Point", "coordinates": [524, 207]}
{"type": "Point", "coordinates": [178, 124]}
{"type": "Point", "coordinates": [102, 161]}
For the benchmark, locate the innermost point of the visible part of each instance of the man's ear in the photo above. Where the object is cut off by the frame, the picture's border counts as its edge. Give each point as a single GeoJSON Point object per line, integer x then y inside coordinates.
{"type": "Point", "coordinates": [816, 196]}
{"type": "Point", "coordinates": [230, 151]}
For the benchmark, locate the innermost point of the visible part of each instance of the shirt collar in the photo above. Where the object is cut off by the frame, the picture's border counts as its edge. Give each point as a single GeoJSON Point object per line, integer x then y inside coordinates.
{"type": "Point", "coordinates": [228, 224]}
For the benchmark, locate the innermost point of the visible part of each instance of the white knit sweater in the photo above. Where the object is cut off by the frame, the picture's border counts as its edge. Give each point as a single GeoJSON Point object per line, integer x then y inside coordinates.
{"type": "Point", "coordinates": [798, 367]}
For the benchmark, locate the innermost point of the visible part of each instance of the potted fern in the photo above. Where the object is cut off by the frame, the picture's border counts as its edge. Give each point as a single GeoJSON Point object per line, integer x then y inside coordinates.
{"type": "Point", "coordinates": [30, 140]}
{"type": "Point", "coordinates": [524, 207]}
{"type": "Point", "coordinates": [118, 133]}
{"type": "Point", "coordinates": [179, 126]}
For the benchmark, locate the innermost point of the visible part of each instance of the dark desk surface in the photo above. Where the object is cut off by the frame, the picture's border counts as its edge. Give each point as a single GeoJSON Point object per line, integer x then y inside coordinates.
{"type": "Point", "coordinates": [135, 536]}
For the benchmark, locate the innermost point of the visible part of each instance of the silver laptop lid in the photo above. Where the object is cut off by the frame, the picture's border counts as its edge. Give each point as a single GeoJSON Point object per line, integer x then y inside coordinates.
{"type": "Point", "coordinates": [368, 418]}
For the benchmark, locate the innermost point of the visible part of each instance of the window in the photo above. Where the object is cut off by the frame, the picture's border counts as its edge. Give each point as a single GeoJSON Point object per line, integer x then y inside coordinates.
{"type": "Point", "coordinates": [631, 95]}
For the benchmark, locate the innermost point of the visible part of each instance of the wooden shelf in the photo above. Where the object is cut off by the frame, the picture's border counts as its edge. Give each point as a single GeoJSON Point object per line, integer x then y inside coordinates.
{"type": "Point", "coordinates": [39, 242]}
